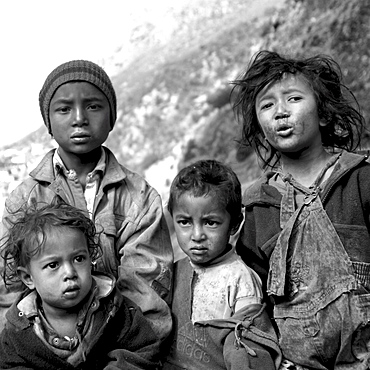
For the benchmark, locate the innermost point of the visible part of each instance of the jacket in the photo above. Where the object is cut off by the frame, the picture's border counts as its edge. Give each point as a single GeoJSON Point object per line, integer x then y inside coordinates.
{"type": "Point", "coordinates": [247, 340]}
{"type": "Point", "coordinates": [345, 198]}
{"type": "Point", "coordinates": [117, 336]}
{"type": "Point", "coordinates": [135, 240]}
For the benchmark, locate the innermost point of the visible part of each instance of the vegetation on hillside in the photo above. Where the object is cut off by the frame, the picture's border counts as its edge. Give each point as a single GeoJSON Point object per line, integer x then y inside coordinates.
{"type": "Point", "coordinates": [185, 99]}
{"type": "Point", "coordinates": [174, 91]}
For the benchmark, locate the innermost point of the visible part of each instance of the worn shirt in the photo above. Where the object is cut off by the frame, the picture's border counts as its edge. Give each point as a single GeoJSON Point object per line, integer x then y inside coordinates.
{"type": "Point", "coordinates": [213, 344]}
{"type": "Point", "coordinates": [112, 334]}
{"type": "Point", "coordinates": [93, 180]}
{"type": "Point", "coordinates": [70, 349]}
{"type": "Point", "coordinates": [135, 240]}
{"type": "Point", "coordinates": [223, 287]}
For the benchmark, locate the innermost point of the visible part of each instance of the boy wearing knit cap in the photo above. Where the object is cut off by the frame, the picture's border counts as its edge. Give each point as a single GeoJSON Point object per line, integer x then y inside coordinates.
{"type": "Point", "coordinates": [78, 105]}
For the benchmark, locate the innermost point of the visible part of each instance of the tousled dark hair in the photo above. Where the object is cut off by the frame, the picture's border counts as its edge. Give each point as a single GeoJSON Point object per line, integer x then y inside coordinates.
{"type": "Point", "coordinates": [29, 227]}
{"type": "Point", "coordinates": [336, 104]}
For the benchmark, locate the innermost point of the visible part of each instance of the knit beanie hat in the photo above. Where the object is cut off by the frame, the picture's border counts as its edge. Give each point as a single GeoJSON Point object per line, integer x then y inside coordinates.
{"type": "Point", "coordinates": [76, 70]}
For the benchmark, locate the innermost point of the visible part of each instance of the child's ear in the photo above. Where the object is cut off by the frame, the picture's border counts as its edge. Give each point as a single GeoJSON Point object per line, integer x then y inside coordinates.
{"type": "Point", "coordinates": [323, 123]}
{"type": "Point", "coordinates": [25, 276]}
{"type": "Point", "coordinates": [237, 224]}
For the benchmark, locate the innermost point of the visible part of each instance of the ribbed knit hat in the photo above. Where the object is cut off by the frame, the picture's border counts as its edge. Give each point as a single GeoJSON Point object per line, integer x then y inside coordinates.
{"type": "Point", "coordinates": [76, 70]}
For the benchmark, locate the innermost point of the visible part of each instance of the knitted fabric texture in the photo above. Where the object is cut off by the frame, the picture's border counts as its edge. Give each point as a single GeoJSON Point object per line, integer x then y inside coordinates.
{"type": "Point", "coordinates": [76, 70]}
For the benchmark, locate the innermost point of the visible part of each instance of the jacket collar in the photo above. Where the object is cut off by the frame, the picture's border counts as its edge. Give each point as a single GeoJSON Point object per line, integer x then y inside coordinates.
{"type": "Point", "coordinates": [26, 306]}
{"type": "Point", "coordinates": [260, 192]}
{"type": "Point", "coordinates": [45, 172]}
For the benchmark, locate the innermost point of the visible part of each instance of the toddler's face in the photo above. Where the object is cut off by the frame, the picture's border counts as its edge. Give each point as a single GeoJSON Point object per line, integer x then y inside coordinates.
{"type": "Point", "coordinates": [202, 227]}
{"type": "Point", "coordinates": [288, 115]}
{"type": "Point", "coordinates": [61, 271]}
{"type": "Point", "coordinates": [79, 118]}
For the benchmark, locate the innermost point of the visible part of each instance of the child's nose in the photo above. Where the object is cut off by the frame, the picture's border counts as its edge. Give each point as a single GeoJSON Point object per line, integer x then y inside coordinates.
{"type": "Point", "coordinates": [198, 232]}
{"type": "Point", "coordinates": [281, 110]}
{"type": "Point", "coordinates": [69, 271]}
{"type": "Point", "coordinates": [79, 116]}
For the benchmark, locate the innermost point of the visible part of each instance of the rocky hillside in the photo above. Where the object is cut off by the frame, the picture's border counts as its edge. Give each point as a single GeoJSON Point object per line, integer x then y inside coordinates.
{"type": "Point", "coordinates": [173, 90]}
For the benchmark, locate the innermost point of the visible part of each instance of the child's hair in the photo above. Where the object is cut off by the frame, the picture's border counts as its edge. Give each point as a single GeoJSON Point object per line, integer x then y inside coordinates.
{"type": "Point", "coordinates": [209, 178]}
{"type": "Point", "coordinates": [336, 104]}
{"type": "Point", "coordinates": [28, 232]}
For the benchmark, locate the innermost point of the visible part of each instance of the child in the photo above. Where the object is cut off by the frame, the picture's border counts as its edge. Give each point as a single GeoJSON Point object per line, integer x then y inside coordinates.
{"type": "Point", "coordinates": [78, 105]}
{"type": "Point", "coordinates": [67, 318]}
{"type": "Point", "coordinates": [220, 322]}
{"type": "Point", "coordinates": [307, 225]}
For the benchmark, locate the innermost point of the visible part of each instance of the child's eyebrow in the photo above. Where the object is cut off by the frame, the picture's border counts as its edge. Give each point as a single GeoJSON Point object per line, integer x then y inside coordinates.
{"type": "Point", "coordinates": [61, 100]}
{"type": "Point", "coordinates": [182, 214]}
{"type": "Point", "coordinates": [56, 256]}
{"type": "Point", "coordinates": [269, 95]}
{"type": "Point", "coordinates": [67, 100]}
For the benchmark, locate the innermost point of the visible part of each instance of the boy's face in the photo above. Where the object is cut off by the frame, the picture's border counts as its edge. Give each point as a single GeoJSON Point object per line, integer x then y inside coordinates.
{"type": "Point", "coordinates": [79, 118]}
{"type": "Point", "coordinates": [202, 227]}
{"type": "Point", "coordinates": [288, 115]}
{"type": "Point", "coordinates": [61, 271]}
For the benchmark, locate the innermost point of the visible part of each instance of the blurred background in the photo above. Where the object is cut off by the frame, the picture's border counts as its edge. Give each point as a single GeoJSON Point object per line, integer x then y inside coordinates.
{"type": "Point", "coordinates": [171, 63]}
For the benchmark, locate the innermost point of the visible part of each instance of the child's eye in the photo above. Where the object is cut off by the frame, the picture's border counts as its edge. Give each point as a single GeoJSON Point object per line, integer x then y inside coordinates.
{"type": "Point", "coordinates": [211, 223]}
{"type": "Point", "coordinates": [183, 222]}
{"type": "Point", "coordinates": [52, 265]}
{"type": "Point", "coordinates": [93, 106]}
{"type": "Point", "coordinates": [295, 98]}
{"type": "Point", "coordinates": [63, 109]}
{"type": "Point", "coordinates": [266, 106]}
{"type": "Point", "coordinates": [80, 259]}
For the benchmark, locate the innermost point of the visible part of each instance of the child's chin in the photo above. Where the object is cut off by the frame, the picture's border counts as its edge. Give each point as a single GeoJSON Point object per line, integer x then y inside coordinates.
{"type": "Point", "coordinates": [198, 260]}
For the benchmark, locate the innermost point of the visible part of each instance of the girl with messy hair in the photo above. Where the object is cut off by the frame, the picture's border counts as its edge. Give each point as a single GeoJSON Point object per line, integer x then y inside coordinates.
{"type": "Point", "coordinates": [307, 221]}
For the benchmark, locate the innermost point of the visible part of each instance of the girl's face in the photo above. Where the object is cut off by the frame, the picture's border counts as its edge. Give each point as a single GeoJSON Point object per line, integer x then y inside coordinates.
{"type": "Point", "coordinates": [202, 227]}
{"type": "Point", "coordinates": [288, 115]}
{"type": "Point", "coordinates": [61, 271]}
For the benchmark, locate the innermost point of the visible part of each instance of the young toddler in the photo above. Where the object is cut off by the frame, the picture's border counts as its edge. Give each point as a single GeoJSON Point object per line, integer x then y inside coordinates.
{"type": "Point", "coordinates": [67, 317]}
{"type": "Point", "coordinates": [220, 321]}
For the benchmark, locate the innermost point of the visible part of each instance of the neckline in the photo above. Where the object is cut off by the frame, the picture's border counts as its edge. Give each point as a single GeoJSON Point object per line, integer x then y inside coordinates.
{"type": "Point", "coordinates": [315, 186]}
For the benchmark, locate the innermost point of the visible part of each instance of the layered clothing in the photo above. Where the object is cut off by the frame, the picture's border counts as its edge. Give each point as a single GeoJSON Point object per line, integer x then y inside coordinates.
{"type": "Point", "coordinates": [213, 335]}
{"type": "Point", "coordinates": [134, 235]}
{"type": "Point", "coordinates": [111, 333]}
{"type": "Point", "coordinates": [314, 258]}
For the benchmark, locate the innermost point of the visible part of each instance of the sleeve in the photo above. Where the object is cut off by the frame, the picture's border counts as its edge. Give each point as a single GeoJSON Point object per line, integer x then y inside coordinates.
{"type": "Point", "coordinates": [139, 348]}
{"type": "Point", "coordinates": [8, 294]}
{"type": "Point", "coordinates": [255, 358]}
{"type": "Point", "coordinates": [22, 350]}
{"type": "Point", "coordinates": [258, 236]}
{"type": "Point", "coordinates": [26, 193]}
{"type": "Point", "coordinates": [247, 290]}
{"type": "Point", "coordinates": [247, 249]}
{"type": "Point", "coordinates": [9, 358]}
{"type": "Point", "coordinates": [253, 343]}
{"type": "Point", "coordinates": [145, 270]}
{"type": "Point", "coordinates": [248, 339]}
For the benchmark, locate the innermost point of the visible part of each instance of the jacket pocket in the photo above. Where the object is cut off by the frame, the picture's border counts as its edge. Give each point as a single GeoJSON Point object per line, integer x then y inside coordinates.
{"type": "Point", "coordinates": [109, 261]}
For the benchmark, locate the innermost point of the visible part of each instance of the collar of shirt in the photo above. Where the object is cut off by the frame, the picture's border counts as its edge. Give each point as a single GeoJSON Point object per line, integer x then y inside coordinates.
{"type": "Point", "coordinates": [31, 307]}
{"type": "Point", "coordinates": [93, 178]}
{"type": "Point", "coordinates": [217, 261]}
{"type": "Point", "coordinates": [59, 166]}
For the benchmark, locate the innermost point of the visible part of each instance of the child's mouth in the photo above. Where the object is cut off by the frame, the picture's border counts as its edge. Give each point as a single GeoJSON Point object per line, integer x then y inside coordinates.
{"type": "Point", "coordinates": [71, 291]}
{"type": "Point", "coordinates": [198, 250]}
{"type": "Point", "coordinates": [79, 139]}
{"type": "Point", "coordinates": [284, 131]}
